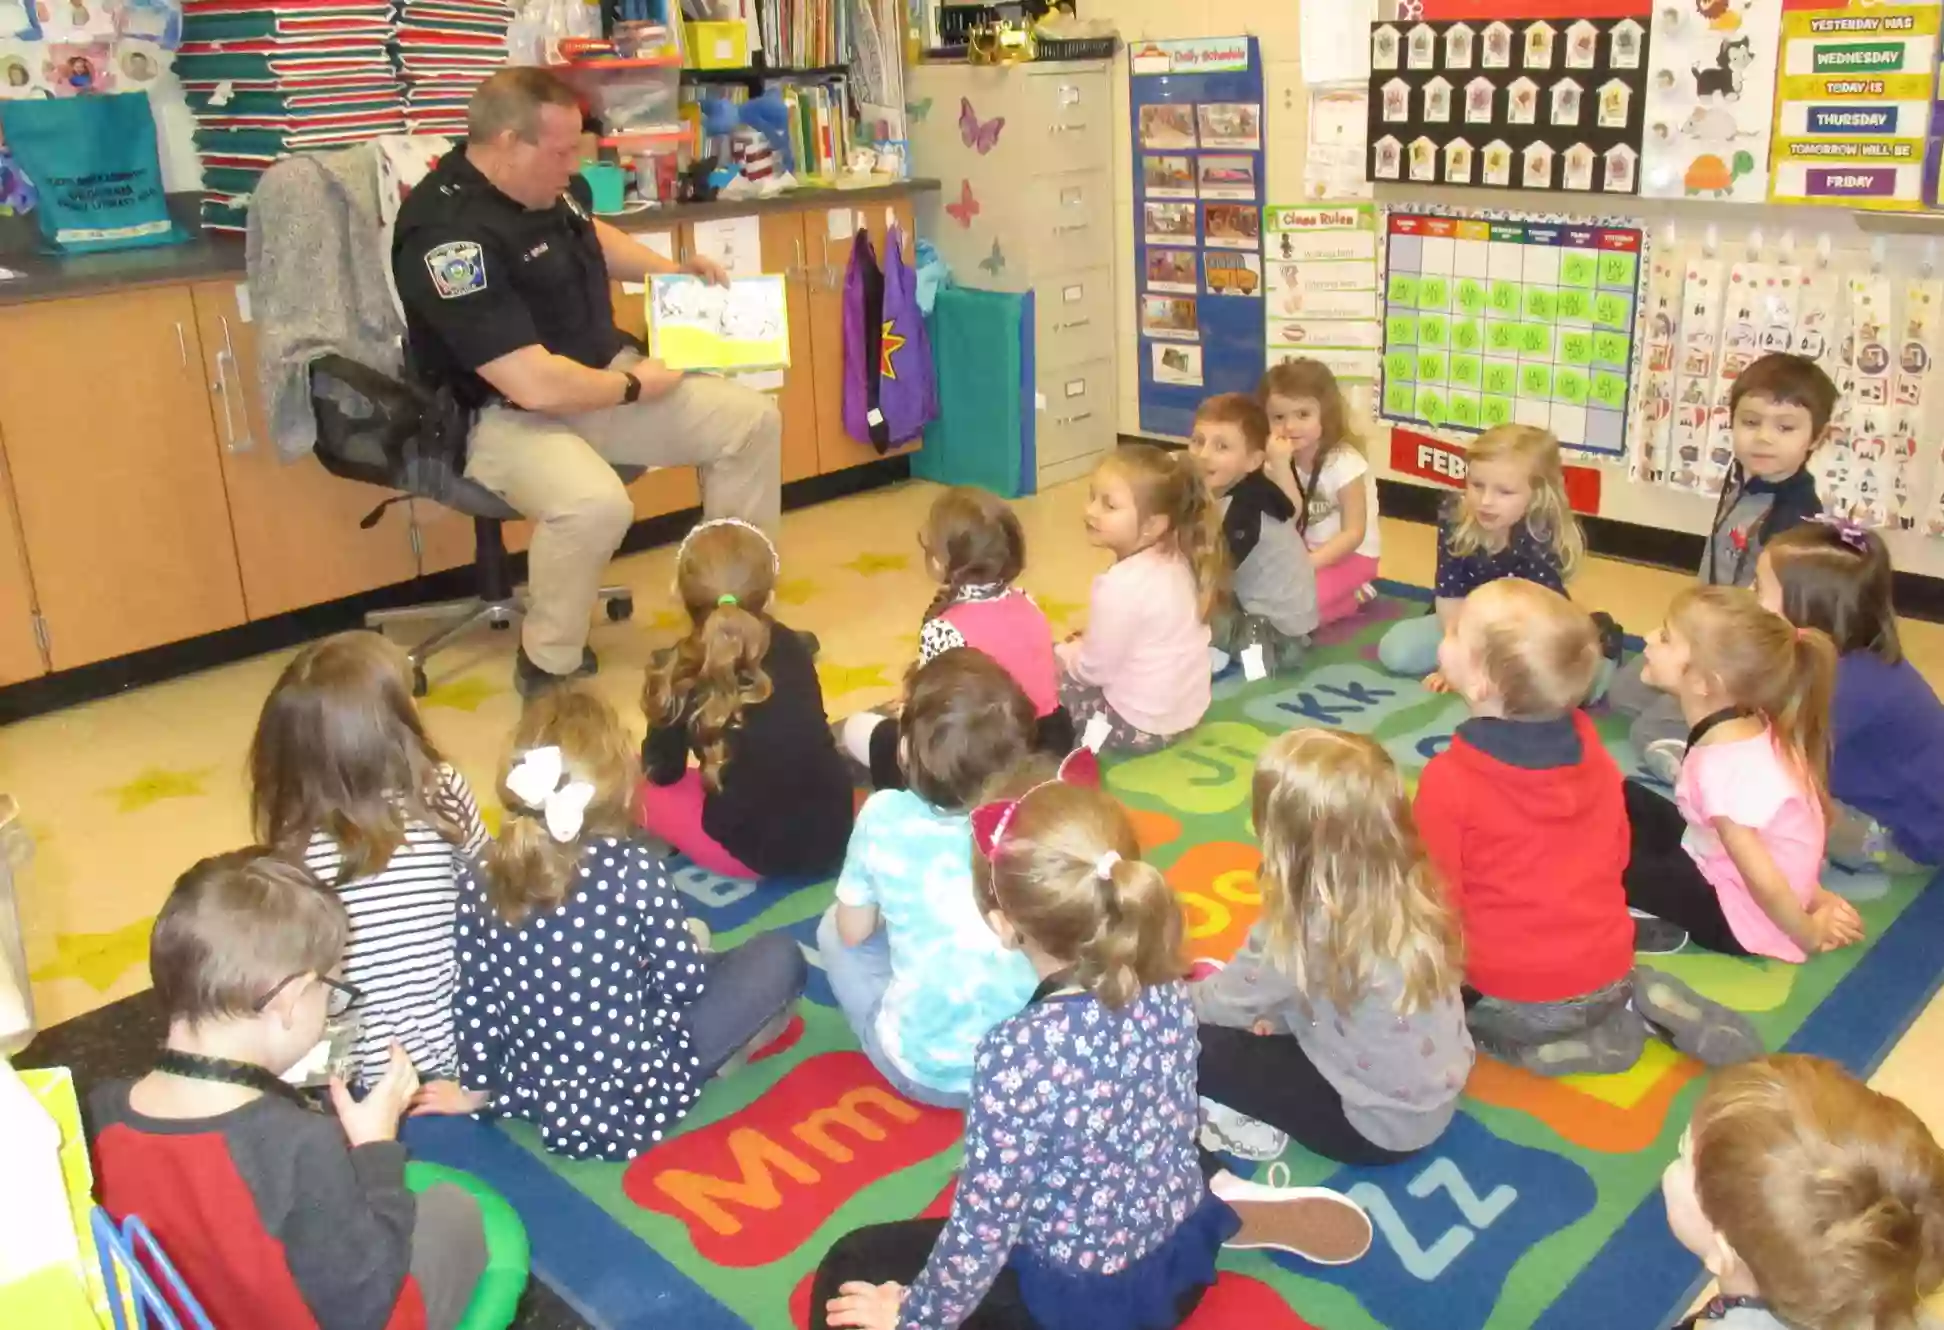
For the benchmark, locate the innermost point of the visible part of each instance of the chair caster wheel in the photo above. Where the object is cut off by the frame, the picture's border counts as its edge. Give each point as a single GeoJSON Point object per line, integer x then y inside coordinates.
{"type": "Point", "coordinates": [419, 685]}
{"type": "Point", "coordinates": [620, 609]}
{"type": "Point", "coordinates": [501, 625]}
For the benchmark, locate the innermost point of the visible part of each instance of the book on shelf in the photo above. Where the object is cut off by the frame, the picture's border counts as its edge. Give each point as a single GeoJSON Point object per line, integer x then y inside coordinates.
{"type": "Point", "coordinates": [698, 326]}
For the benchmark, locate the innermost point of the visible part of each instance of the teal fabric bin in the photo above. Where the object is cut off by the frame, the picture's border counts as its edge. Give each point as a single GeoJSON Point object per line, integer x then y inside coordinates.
{"type": "Point", "coordinates": [982, 347]}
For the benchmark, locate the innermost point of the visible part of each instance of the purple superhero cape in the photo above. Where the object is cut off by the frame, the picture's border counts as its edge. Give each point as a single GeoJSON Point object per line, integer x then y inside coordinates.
{"type": "Point", "coordinates": [890, 392]}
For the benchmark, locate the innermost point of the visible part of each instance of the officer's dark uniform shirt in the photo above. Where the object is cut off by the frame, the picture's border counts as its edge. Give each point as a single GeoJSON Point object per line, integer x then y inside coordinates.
{"type": "Point", "coordinates": [482, 275]}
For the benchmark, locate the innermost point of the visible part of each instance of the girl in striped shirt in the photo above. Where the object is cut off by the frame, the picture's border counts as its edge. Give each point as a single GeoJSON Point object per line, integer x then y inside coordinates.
{"type": "Point", "coordinates": [344, 780]}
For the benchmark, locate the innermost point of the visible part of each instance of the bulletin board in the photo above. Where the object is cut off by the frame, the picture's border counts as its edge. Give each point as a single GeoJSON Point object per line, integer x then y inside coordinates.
{"type": "Point", "coordinates": [1493, 318]}
{"type": "Point", "coordinates": [1196, 109]}
{"type": "Point", "coordinates": [66, 48]}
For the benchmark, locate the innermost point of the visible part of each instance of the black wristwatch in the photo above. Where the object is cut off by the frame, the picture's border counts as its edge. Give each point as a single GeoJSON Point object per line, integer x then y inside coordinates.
{"type": "Point", "coordinates": [632, 393]}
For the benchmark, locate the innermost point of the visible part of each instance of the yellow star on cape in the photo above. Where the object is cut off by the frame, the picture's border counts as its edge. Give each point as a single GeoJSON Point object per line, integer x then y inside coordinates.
{"type": "Point", "coordinates": [159, 783]}
{"type": "Point", "coordinates": [97, 959]}
{"type": "Point", "coordinates": [887, 344]}
{"type": "Point", "coordinates": [463, 694]}
{"type": "Point", "coordinates": [840, 679]}
{"type": "Point", "coordinates": [795, 590]}
{"type": "Point", "coordinates": [870, 565]}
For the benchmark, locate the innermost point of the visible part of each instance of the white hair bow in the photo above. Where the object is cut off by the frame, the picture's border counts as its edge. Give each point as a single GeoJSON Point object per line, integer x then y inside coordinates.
{"type": "Point", "coordinates": [535, 782]}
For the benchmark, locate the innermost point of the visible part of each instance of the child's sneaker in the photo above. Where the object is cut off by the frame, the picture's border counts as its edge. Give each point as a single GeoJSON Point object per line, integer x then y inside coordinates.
{"type": "Point", "coordinates": [1703, 1029]}
{"type": "Point", "coordinates": [1657, 937]}
{"type": "Point", "coordinates": [700, 932]}
{"type": "Point", "coordinates": [1315, 1223]}
{"type": "Point", "coordinates": [1227, 1132]}
{"type": "Point", "coordinates": [1662, 761]}
{"type": "Point", "coordinates": [1366, 593]}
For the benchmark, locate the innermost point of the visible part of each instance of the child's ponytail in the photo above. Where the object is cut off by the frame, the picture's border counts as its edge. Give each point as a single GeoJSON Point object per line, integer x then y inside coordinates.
{"type": "Point", "coordinates": [725, 572]}
{"type": "Point", "coordinates": [1801, 721]}
{"type": "Point", "coordinates": [1139, 923]}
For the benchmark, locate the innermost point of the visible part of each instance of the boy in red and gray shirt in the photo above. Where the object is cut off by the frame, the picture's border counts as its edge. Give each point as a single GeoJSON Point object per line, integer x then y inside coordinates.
{"type": "Point", "coordinates": [274, 1214]}
{"type": "Point", "coordinates": [1524, 817]}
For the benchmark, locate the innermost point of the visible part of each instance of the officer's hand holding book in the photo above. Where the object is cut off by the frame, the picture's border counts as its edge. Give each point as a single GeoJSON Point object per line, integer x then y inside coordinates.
{"type": "Point", "coordinates": [701, 265]}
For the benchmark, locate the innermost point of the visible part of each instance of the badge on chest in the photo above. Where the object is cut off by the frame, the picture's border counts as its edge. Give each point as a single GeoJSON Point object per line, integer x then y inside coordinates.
{"type": "Point", "coordinates": [458, 268]}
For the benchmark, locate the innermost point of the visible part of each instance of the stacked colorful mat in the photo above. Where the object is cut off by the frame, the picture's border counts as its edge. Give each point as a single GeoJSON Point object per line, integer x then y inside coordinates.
{"type": "Point", "coordinates": [266, 78]}
{"type": "Point", "coordinates": [444, 48]}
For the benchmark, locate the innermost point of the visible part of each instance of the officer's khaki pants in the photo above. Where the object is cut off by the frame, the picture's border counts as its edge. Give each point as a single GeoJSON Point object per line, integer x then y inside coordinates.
{"type": "Point", "coordinates": [555, 469]}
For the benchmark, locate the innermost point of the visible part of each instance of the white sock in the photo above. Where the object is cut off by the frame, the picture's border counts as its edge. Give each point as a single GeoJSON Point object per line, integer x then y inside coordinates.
{"type": "Point", "coordinates": [1218, 660]}
{"type": "Point", "coordinates": [857, 734]}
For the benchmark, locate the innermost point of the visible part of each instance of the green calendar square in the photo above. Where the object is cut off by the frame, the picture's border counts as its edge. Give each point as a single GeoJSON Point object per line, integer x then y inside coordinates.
{"type": "Point", "coordinates": [1536, 380]}
{"type": "Point", "coordinates": [1506, 298]}
{"type": "Point", "coordinates": [1400, 365]}
{"type": "Point", "coordinates": [1463, 408]}
{"type": "Point", "coordinates": [1494, 411]}
{"type": "Point", "coordinates": [1432, 367]}
{"type": "Point", "coordinates": [1621, 270]}
{"type": "Point", "coordinates": [1541, 304]}
{"type": "Point", "coordinates": [1575, 348]}
{"type": "Point", "coordinates": [1570, 386]}
{"type": "Point", "coordinates": [1611, 348]}
{"type": "Point", "coordinates": [1471, 296]}
{"type": "Point", "coordinates": [1431, 405]}
{"type": "Point", "coordinates": [1501, 377]}
{"type": "Point", "coordinates": [1400, 329]}
{"type": "Point", "coordinates": [1433, 293]}
{"type": "Point", "coordinates": [1467, 334]}
{"type": "Point", "coordinates": [1433, 331]}
{"type": "Point", "coordinates": [1609, 390]}
{"type": "Point", "coordinates": [1535, 339]}
{"type": "Point", "coordinates": [1467, 372]}
{"type": "Point", "coordinates": [1400, 397]}
{"type": "Point", "coordinates": [1403, 290]}
{"type": "Point", "coordinates": [1575, 306]}
{"type": "Point", "coordinates": [1578, 269]}
{"type": "Point", "coordinates": [1501, 336]}
{"type": "Point", "coordinates": [1612, 311]}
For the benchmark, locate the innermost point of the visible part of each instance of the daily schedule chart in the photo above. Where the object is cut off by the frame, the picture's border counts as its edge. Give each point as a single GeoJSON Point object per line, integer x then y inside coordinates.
{"type": "Point", "coordinates": [1494, 320]}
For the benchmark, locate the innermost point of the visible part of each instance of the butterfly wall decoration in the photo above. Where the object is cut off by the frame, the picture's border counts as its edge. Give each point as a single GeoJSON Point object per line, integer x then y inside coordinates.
{"type": "Point", "coordinates": [982, 136]}
{"type": "Point", "coordinates": [995, 263]}
{"type": "Point", "coordinates": [919, 111]}
{"type": "Point", "coordinates": [966, 208]}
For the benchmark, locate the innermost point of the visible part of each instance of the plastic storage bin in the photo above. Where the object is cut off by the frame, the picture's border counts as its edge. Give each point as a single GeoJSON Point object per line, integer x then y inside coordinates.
{"type": "Point", "coordinates": [714, 45]}
{"type": "Point", "coordinates": [628, 95]}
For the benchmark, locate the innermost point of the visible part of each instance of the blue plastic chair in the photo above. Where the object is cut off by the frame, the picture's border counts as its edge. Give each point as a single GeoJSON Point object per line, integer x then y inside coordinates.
{"type": "Point", "coordinates": [123, 1252]}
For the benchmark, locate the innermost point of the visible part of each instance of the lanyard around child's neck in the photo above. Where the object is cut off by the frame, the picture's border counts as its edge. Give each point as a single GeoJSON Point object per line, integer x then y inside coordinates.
{"type": "Point", "coordinates": [1708, 723]}
{"type": "Point", "coordinates": [1054, 985]}
{"type": "Point", "coordinates": [224, 1071]}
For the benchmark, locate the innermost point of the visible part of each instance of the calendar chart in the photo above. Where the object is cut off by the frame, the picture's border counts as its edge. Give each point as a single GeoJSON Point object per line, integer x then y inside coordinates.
{"type": "Point", "coordinates": [1490, 321]}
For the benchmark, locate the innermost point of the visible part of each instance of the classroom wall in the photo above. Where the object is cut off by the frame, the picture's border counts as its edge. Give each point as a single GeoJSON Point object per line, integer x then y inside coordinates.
{"type": "Point", "coordinates": [1284, 122]}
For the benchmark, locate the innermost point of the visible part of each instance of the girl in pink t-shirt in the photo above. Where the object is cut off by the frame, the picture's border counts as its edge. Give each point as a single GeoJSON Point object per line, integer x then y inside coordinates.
{"type": "Point", "coordinates": [975, 549]}
{"type": "Point", "coordinates": [1736, 860]}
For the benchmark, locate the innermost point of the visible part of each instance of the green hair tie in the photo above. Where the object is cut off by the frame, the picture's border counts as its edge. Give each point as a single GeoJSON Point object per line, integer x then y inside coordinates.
{"type": "Point", "coordinates": [726, 598]}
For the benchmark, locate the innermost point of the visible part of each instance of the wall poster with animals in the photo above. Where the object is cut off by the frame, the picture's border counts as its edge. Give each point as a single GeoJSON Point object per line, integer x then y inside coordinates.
{"type": "Point", "coordinates": [1853, 115]}
{"type": "Point", "coordinates": [1196, 108]}
{"type": "Point", "coordinates": [1711, 100]}
{"type": "Point", "coordinates": [1529, 103]}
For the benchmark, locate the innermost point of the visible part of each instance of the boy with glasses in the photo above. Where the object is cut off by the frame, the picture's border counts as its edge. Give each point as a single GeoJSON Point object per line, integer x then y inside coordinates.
{"type": "Point", "coordinates": [274, 1214]}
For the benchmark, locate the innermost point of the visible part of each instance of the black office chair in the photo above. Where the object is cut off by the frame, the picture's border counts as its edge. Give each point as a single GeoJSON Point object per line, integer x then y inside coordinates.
{"type": "Point", "coordinates": [373, 422]}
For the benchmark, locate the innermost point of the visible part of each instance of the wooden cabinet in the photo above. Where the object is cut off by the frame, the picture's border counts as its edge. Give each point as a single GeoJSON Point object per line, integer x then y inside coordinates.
{"type": "Point", "coordinates": [784, 252]}
{"type": "Point", "coordinates": [827, 237]}
{"type": "Point", "coordinates": [298, 541]}
{"type": "Point", "coordinates": [20, 651]}
{"type": "Point", "coordinates": [112, 449]}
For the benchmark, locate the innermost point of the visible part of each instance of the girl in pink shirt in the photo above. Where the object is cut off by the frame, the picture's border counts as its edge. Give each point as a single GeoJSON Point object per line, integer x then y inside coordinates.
{"type": "Point", "coordinates": [1139, 675]}
{"type": "Point", "coordinates": [1737, 859]}
{"type": "Point", "coordinates": [975, 549]}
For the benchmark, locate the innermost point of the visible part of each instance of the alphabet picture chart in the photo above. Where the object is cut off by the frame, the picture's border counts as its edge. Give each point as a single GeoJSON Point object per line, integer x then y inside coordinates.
{"type": "Point", "coordinates": [1497, 319]}
{"type": "Point", "coordinates": [1853, 108]}
{"type": "Point", "coordinates": [1509, 103]}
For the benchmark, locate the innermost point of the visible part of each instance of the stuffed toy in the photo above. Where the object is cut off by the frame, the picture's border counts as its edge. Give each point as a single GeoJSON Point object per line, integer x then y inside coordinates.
{"type": "Point", "coordinates": [758, 131]}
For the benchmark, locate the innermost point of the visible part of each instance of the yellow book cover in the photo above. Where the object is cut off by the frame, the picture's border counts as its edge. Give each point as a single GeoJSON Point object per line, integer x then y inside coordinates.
{"type": "Point", "coordinates": [694, 325]}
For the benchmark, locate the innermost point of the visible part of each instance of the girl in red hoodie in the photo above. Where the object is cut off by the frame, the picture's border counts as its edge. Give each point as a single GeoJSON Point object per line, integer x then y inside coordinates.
{"type": "Point", "coordinates": [1524, 817]}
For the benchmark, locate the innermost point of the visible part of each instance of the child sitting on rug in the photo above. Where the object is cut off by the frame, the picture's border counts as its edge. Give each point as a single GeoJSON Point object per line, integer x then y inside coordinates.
{"type": "Point", "coordinates": [1736, 859]}
{"type": "Point", "coordinates": [1082, 1204]}
{"type": "Point", "coordinates": [1313, 458]}
{"type": "Point", "coordinates": [1513, 521]}
{"type": "Point", "coordinates": [584, 1005]}
{"type": "Point", "coordinates": [343, 779]}
{"type": "Point", "coordinates": [1339, 1022]}
{"type": "Point", "coordinates": [1139, 676]}
{"type": "Point", "coordinates": [912, 964]}
{"type": "Point", "coordinates": [770, 796]}
{"type": "Point", "coordinates": [1814, 1200]}
{"type": "Point", "coordinates": [1886, 774]}
{"type": "Point", "coordinates": [1780, 407]}
{"type": "Point", "coordinates": [1272, 605]}
{"type": "Point", "coordinates": [1524, 818]}
{"type": "Point", "coordinates": [975, 549]}
{"type": "Point", "coordinates": [274, 1214]}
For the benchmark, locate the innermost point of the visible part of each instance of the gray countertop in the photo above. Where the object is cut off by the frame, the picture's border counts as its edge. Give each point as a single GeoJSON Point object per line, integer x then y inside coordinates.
{"type": "Point", "coordinates": [215, 256]}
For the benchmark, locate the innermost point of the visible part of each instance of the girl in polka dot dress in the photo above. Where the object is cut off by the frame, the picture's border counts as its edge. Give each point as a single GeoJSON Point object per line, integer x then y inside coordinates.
{"type": "Point", "coordinates": [1513, 521]}
{"type": "Point", "coordinates": [585, 1006]}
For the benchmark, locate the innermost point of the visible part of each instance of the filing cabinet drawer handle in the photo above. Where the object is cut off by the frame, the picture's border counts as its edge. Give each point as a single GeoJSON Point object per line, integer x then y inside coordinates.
{"type": "Point", "coordinates": [1080, 128]}
{"type": "Point", "coordinates": [1071, 324]}
{"type": "Point", "coordinates": [1074, 420]}
{"type": "Point", "coordinates": [1071, 226]}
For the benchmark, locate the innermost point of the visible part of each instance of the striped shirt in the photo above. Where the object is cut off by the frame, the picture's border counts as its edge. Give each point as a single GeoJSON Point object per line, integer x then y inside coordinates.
{"type": "Point", "coordinates": [401, 952]}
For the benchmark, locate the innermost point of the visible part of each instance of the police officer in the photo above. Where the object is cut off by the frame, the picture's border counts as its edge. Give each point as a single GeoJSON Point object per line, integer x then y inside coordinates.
{"type": "Point", "coordinates": [504, 276]}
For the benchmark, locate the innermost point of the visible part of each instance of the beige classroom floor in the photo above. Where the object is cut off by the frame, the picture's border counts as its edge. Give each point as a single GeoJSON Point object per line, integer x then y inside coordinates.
{"type": "Point", "coordinates": [122, 794]}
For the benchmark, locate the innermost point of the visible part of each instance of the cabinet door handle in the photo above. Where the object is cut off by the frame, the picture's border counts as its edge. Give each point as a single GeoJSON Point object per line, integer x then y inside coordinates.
{"type": "Point", "coordinates": [182, 345]}
{"type": "Point", "coordinates": [225, 363]}
{"type": "Point", "coordinates": [1074, 420]}
{"type": "Point", "coordinates": [800, 271]}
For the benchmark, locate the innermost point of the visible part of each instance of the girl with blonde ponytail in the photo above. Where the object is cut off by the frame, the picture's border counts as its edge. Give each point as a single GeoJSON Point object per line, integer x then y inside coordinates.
{"type": "Point", "coordinates": [1737, 859]}
{"type": "Point", "coordinates": [769, 795]}
{"type": "Point", "coordinates": [1100, 1070]}
{"type": "Point", "coordinates": [584, 1005]}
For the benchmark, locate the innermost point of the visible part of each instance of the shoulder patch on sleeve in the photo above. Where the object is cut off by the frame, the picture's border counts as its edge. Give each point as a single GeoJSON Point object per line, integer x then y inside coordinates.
{"type": "Point", "coordinates": [458, 268]}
